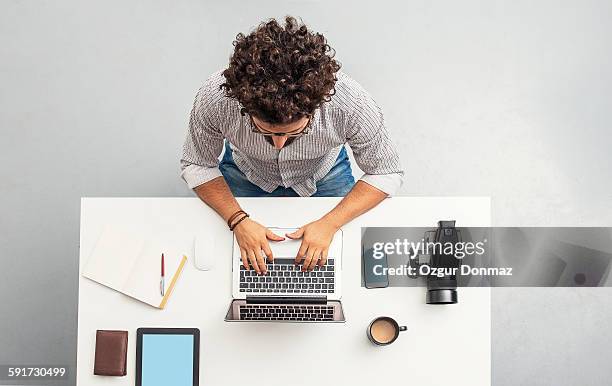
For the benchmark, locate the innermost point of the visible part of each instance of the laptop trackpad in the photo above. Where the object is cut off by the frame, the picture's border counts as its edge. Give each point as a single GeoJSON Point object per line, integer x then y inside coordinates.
{"type": "Point", "coordinates": [285, 249]}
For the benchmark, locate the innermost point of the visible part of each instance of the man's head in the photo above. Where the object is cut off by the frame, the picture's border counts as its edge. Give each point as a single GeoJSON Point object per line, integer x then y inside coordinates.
{"type": "Point", "coordinates": [281, 75]}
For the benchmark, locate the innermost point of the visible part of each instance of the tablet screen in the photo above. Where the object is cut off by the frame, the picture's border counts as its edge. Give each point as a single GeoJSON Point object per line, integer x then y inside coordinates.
{"type": "Point", "coordinates": [167, 360]}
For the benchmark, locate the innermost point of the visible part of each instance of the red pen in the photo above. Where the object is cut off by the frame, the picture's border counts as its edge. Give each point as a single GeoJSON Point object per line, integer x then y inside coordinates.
{"type": "Point", "coordinates": [162, 285]}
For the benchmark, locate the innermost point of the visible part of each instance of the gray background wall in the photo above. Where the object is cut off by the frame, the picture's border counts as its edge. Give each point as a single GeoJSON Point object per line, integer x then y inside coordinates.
{"type": "Point", "coordinates": [503, 98]}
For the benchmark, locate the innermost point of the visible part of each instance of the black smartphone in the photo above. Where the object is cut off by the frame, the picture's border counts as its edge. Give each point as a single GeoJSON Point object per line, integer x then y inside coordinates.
{"type": "Point", "coordinates": [374, 269]}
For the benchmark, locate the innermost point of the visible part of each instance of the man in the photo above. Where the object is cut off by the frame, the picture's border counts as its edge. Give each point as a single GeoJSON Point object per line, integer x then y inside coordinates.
{"type": "Point", "coordinates": [285, 113]}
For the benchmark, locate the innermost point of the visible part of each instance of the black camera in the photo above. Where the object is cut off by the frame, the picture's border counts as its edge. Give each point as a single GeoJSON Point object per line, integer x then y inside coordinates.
{"type": "Point", "coordinates": [436, 262]}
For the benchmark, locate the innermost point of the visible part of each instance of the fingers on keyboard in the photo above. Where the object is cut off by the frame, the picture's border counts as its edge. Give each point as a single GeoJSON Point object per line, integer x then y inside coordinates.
{"type": "Point", "coordinates": [286, 278]}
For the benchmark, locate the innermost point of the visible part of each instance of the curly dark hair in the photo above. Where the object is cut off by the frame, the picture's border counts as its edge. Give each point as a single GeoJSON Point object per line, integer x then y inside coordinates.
{"type": "Point", "coordinates": [281, 74]}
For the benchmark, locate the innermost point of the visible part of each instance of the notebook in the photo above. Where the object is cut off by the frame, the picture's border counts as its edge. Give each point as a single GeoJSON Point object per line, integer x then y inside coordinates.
{"type": "Point", "coordinates": [131, 263]}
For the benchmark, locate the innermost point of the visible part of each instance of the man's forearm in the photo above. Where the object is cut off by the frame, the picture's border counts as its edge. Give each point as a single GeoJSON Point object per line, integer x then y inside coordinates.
{"type": "Point", "coordinates": [359, 200]}
{"type": "Point", "coordinates": [216, 194]}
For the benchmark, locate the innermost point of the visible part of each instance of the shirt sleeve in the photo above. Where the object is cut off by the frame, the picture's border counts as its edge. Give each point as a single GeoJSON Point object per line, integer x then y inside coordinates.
{"type": "Point", "coordinates": [374, 151]}
{"type": "Point", "coordinates": [203, 143]}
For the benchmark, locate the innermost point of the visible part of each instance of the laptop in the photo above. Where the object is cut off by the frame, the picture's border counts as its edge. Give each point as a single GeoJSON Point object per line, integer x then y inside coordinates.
{"type": "Point", "coordinates": [285, 293]}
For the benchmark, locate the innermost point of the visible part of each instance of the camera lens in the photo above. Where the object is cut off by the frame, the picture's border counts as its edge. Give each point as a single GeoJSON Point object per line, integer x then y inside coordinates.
{"type": "Point", "coordinates": [441, 296]}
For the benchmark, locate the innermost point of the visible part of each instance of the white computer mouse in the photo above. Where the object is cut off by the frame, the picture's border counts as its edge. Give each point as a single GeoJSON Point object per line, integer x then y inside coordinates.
{"type": "Point", "coordinates": [210, 245]}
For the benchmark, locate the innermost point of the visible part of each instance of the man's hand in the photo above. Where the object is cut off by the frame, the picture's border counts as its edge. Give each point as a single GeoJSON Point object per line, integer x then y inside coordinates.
{"type": "Point", "coordinates": [316, 237]}
{"type": "Point", "coordinates": [252, 239]}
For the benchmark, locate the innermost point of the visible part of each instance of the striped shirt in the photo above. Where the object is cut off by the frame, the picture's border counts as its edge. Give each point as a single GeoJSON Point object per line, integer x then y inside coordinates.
{"type": "Point", "coordinates": [350, 117]}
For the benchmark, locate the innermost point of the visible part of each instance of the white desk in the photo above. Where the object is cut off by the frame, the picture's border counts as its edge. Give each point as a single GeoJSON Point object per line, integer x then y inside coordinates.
{"type": "Point", "coordinates": [294, 354]}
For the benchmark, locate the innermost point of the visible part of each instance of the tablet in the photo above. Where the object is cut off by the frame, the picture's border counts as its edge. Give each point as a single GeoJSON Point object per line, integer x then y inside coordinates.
{"type": "Point", "coordinates": [167, 356]}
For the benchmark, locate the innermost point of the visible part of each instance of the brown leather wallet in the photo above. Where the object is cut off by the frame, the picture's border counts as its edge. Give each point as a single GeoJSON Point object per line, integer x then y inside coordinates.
{"type": "Point", "coordinates": [111, 353]}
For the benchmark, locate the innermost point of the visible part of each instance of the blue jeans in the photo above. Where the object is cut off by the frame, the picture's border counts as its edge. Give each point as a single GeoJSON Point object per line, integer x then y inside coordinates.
{"type": "Point", "coordinates": [337, 183]}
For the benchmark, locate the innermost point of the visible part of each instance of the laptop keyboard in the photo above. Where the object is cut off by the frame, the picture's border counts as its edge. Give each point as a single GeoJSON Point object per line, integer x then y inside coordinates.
{"type": "Point", "coordinates": [285, 277]}
{"type": "Point", "coordinates": [305, 313]}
